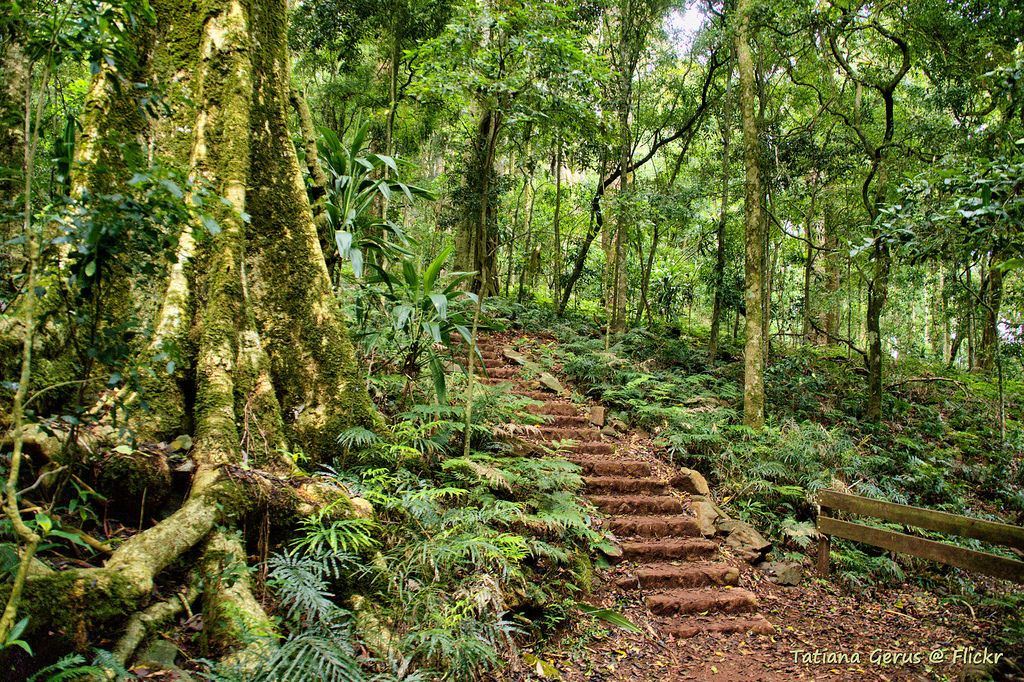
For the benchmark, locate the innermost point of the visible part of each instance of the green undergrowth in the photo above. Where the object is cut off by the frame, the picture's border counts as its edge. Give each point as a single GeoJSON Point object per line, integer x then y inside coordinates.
{"type": "Point", "coordinates": [466, 558]}
{"type": "Point", "coordinates": [939, 445]}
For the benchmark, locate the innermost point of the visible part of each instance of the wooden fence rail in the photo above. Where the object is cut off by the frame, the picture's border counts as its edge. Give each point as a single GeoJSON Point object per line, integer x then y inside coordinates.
{"type": "Point", "coordinates": [928, 519]}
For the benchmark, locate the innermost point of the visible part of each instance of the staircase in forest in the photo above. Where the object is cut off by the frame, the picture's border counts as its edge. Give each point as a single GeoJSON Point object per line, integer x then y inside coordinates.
{"type": "Point", "coordinates": [688, 586]}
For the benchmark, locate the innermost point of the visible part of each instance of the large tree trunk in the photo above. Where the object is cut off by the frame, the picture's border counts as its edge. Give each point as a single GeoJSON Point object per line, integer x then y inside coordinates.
{"type": "Point", "coordinates": [252, 310]}
{"type": "Point", "coordinates": [477, 238]}
{"type": "Point", "coordinates": [829, 313]}
{"type": "Point", "coordinates": [754, 229]}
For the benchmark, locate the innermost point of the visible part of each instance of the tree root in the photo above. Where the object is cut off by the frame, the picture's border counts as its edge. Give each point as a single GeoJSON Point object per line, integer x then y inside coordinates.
{"type": "Point", "coordinates": [232, 616]}
{"type": "Point", "coordinates": [143, 623]}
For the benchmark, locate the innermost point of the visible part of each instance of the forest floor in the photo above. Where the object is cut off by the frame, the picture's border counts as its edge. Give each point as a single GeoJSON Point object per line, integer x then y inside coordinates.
{"type": "Point", "coordinates": [706, 614]}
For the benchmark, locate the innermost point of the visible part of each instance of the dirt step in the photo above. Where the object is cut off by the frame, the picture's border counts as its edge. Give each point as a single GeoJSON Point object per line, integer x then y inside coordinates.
{"type": "Point", "coordinates": [593, 448]}
{"type": "Point", "coordinates": [537, 395]}
{"type": "Point", "coordinates": [503, 372]}
{"type": "Point", "coordinates": [577, 434]}
{"type": "Point", "coordinates": [654, 526]}
{"type": "Point", "coordinates": [493, 363]}
{"type": "Point", "coordinates": [638, 504]}
{"type": "Point", "coordinates": [569, 421]}
{"type": "Point", "coordinates": [555, 408]}
{"type": "Point", "coordinates": [681, 576]}
{"type": "Point", "coordinates": [594, 466]}
{"type": "Point", "coordinates": [625, 484]}
{"type": "Point", "coordinates": [717, 624]}
{"type": "Point", "coordinates": [654, 550]}
{"type": "Point", "coordinates": [677, 602]}
{"type": "Point", "coordinates": [492, 381]}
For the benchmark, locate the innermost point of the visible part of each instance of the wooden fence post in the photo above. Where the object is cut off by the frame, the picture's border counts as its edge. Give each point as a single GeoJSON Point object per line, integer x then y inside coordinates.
{"type": "Point", "coordinates": [824, 549]}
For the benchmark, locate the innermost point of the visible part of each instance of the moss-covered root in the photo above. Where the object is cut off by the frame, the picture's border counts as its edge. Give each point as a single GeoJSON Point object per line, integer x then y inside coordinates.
{"type": "Point", "coordinates": [86, 604]}
{"type": "Point", "coordinates": [371, 629]}
{"type": "Point", "coordinates": [232, 616]}
{"type": "Point", "coordinates": [144, 623]}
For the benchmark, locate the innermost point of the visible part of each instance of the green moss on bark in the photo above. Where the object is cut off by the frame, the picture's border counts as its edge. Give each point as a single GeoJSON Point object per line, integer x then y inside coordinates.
{"type": "Point", "coordinates": [80, 605]}
{"type": "Point", "coordinates": [313, 362]}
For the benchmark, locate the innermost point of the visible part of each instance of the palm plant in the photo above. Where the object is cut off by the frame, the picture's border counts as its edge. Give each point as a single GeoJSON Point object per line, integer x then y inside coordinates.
{"type": "Point", "coordinates": [423, 319]}
{"type": "Point", "coordinates": [356, 178]}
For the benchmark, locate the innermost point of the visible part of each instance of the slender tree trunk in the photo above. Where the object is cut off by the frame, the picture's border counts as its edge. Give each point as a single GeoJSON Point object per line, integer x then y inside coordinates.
{"type": "Point", "coordinates": [596, 222]}
{"type": "Point", "coordinates": [645, 283]}
{"type": "Point", "coordinates": [753, 221]}
{"type": "Point", "coordinates": [809, 258]}
{"type": "Point", "coordinates": [992, 299]}
{"type": "Point", "coordinates": [556, 287]}
{"type": "Point", "coordinates": [725, 124]}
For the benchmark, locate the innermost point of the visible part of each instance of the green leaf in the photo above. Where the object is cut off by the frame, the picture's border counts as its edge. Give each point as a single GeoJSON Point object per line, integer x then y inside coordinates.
{"type": "Point", "coordinates": [440, 302]}
{"type": "Point", "coordinates": [437, 372]}
{"type": "Point", "coordinates": [612, 617]}
{"type": "Point", "coordinates": [430, 276]}
{"type": "Point", "coordinates": [70, 537]}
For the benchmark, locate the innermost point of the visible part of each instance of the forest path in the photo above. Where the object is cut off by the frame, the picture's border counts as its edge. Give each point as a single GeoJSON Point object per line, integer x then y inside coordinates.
{"type": "Point", "coordinates": [700, 608]}
{"type": "Point", "coordinates": [687, 584]}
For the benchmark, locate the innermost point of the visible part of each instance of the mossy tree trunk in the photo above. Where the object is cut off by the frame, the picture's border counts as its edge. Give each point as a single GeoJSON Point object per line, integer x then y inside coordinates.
{"type": "Point", "coordinates": [754, 228]}
{"type": "Point", "coordinates": [267, 362]}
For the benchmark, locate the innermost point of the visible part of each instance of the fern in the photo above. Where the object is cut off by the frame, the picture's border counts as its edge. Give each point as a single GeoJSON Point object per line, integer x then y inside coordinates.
{"type": "Point", "coordinates": [338, 535]}
{"type": "Point", "coordinates": [74, 667]}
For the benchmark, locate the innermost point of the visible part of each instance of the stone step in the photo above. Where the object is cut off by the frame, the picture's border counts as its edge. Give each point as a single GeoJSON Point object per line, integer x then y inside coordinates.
{"type": "Point", "coordinates": [600, 466]}
{"type": "Point", "coordinates": [683, 602]}
{"type": "Point", "coordinates": [678, 576]}
{"type": "Point", "coordinates": [660, 526]}
{"type": "Point", "coordinates": [625, 484]}
{"type": "Point", "coordinates": [693, 626]}
{"type": "Point", "coordinates": [492, 363]}
{"type": "Point", "coordinates": [638, 504]}
{"type": "Point", "coordinates": [669, 549]}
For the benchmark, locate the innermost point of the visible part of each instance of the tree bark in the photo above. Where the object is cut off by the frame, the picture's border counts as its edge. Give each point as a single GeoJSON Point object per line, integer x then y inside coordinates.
{"type": "Point", "coordinates": [252, 310]}
{"type": "Point", "coordinates": [992, 299]}
{"type": "Point", "coordinates": [754, 228]}
{"type": "Point", "coordinates": [556, 221]}
{"type": "Point", "coordinates": [723, 218]}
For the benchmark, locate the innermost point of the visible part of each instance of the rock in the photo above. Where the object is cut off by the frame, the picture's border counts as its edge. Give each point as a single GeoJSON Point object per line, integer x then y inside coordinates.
{"type": "Point", "coordinates": [784, 572]}
{"type": "Point", "coordinates": [618, 425]}
{"type": "Point", "coordinates": [514, 356]}
{"type": "Point", "coordinates": [744, 539]}
{"type": "Point", "coordinates": [160, 655]}
{"type": "Point", "coordinates": [609, 431]}
{"type": "Point", "coordinates": [361, 507]}
{"type": "Point", "coordinates": [690, 481]}
{"type": "Point", "coordinates": [549, 382]}
{"type": "Point", "coordinates": [707, 513]}
{"type": "Point", "coordinates": [597, 415]}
